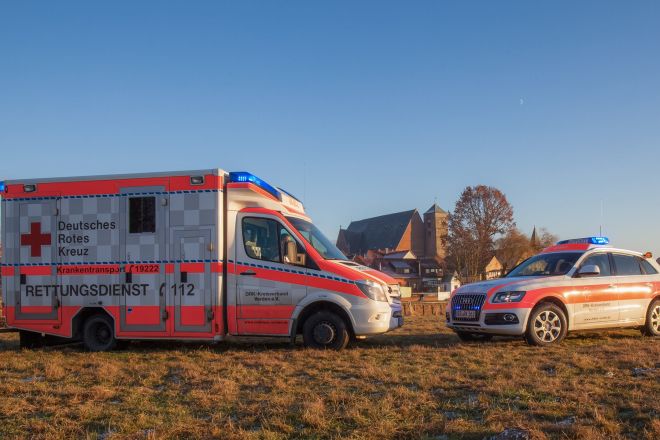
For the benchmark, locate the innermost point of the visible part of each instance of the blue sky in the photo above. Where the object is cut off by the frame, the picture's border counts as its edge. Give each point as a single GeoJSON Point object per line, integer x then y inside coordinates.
{"type": "Point", "coordinates": [361, 108]}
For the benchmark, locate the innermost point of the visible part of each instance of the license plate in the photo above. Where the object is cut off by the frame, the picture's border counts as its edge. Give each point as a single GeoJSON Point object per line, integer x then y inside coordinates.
{"type": "Point", "coordinates": [466, 314]}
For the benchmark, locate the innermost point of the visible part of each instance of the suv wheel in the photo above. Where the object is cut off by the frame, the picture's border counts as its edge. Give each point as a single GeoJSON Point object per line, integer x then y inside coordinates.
{"type": "Point", "coordinates": [547, 325]}
{"type": "Point", "coordinates": [652, 326]}
{"type": "Point", "coordinates": [325, 330]}
{"type": "Point", "coordinates": [99, 334]}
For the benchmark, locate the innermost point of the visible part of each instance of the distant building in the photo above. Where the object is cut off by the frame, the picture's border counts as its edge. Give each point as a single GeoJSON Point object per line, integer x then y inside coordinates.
{"type": "Point", "coordinates": [406, 245]}
{"type": "Point", "coordinates": [493, 269]}
{"type": "Point", "coordinates": [401, 231]}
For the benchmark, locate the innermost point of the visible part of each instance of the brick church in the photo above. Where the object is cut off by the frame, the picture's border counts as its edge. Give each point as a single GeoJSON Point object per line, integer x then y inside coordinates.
{"type": "Point", "coordinates": [406, 245]}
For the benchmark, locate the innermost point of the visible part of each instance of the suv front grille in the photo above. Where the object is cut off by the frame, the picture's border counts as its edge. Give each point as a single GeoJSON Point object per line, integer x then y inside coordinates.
{"type": "Point", "coordinates": [467, 307]}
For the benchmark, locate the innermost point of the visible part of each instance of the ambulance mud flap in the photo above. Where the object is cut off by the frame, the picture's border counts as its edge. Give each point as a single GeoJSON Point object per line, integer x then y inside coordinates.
{"type": "Point", "coordinates": [294, 331]}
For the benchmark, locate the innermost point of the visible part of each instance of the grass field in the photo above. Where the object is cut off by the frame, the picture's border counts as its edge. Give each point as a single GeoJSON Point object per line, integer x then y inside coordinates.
{"type": "Point", "coordinates": [416, 382]}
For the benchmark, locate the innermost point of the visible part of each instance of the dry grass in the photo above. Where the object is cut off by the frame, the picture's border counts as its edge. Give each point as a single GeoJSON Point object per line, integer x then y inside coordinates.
{"type": "Point", "coordinates": [417, 382]}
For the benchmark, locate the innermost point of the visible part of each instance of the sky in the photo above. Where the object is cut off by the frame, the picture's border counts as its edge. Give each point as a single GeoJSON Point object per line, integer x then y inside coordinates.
{"type": "Point", "coordinates": [358, 108]}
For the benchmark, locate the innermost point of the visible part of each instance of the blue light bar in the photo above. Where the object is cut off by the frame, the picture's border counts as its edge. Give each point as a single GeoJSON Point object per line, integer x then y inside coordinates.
{"type": "Point", "coordinates": [587, 240]}
{"type": "Point", "coordinates": [245, 177]}
{"type": "Point", "coordinates": [2, 187]}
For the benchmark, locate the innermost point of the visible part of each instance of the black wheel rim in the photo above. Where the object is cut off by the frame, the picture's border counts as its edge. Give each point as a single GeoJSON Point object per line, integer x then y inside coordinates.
{"type": "Point", "coordinates": [102, 334]}
{"type": "Point", "coordinates": [324, 333]}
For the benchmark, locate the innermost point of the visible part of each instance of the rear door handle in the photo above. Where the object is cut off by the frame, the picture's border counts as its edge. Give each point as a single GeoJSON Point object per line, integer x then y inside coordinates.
{"type": "Point", "coordinates": [248, 273]}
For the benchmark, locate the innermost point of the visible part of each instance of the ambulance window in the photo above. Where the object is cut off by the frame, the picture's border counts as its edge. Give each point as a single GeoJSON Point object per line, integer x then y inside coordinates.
{"type": "Point", "coordinates": [627, 265]}
{"type": "Point", "coordinates": [603, 263]}
{"type": "Point", "coordinates": [261, 238]}
{"type": "Point", "coordinates": [648, 268]}
{"type": "Point", "coordinates": [142, 215]}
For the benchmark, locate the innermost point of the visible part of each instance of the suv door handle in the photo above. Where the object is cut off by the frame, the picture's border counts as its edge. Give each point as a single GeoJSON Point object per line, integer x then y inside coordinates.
{"type": "Point", "coordinates": [248, 273]}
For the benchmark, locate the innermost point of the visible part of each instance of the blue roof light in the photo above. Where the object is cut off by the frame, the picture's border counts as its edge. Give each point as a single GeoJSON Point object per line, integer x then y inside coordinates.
{"type": "Point", "coordinates": [245, 177]}
{"type": "Point", "coordinates": [587, 240]}
{"type": "Point", "coordinates": [3, 187]}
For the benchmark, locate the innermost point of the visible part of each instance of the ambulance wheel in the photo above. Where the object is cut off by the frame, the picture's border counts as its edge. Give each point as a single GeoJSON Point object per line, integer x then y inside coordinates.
{"type": "Point", "coordinates": [325, 330]}
{"type": "Point", "coordinates": [547, 325]}
{"type": "Point", "coordinates": [473, 337]}
{"type": "Point", "coordinates": [99, 333]}
{"type": "Point", "coordinates": [30, 339]}
{"type": "Point", "coordinates": [652, 326]}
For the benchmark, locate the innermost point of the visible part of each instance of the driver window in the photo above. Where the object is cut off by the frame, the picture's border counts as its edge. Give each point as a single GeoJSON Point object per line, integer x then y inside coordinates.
{"type": "Point", "coordinates": [600, 260]}
{"type": "Point", "coordinates": [267, 240]}
{"type": "Point", "coordinates": [260, 237]}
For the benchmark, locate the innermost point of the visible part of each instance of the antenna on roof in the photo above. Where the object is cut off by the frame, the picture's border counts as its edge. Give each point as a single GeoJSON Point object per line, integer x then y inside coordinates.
{"type": "Point", "coordinates": [600, 229]}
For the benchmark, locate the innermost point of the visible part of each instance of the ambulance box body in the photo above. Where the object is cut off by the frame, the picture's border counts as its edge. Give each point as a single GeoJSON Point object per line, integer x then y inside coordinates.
{"type": "Point", "coordinates": [178, 255]}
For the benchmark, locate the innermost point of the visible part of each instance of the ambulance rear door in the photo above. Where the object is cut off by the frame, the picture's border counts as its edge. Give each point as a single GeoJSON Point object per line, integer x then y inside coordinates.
{"type": "Point", "coordinates": [34, 224]}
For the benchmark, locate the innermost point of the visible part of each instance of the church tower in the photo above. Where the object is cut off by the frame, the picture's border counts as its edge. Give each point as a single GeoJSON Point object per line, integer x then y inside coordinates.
{"type": "Point", "coordinates": [435, 228]}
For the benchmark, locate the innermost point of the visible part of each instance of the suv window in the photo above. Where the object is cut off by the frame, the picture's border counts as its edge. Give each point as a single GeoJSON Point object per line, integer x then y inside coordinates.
{"type": "Point", "coordinates": [627, 265]}
{"type": "Point", "coordinates": [648, 268]}
{"type": "Point", "coordinates": [600, 260]}
{"type": "Point", "coordinates": [266, 239]}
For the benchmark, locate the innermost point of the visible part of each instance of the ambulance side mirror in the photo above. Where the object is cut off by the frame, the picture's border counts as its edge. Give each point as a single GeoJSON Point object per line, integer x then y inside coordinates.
{"type": "Point", "coordinates": [293, 255]}
{"type": "Point", "coordinates": [590, 270]}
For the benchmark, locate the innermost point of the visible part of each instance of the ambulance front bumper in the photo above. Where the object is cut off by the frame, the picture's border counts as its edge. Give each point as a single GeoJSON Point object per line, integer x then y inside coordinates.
{"type": "Point", "coordinates": [376, 317]}
{"type": "Point", "coordinates": [505, 322]}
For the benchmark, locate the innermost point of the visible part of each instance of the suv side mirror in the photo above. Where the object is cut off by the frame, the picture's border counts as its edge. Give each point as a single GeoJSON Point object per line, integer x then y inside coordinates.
{"type": "Point", "coordinates": [590, 270]}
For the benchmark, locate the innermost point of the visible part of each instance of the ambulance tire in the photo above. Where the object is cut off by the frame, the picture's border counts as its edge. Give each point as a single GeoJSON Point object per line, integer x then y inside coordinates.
{"type": "Point", "coordinates": [547, 325]}
{"type": "Point", "coordinates": [99, 333]}
{"type": "Point", "coordinates": [473, 337]}
{"type": "Point", "coordinates": [30, 339]}
{"type": "Point", "coordinates": [652, 326]}
{"type": "Point", "coordinates": [325, 330]}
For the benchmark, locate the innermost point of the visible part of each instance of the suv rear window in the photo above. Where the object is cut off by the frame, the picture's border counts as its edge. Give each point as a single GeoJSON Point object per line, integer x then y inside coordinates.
{"type": "Point", "coordinates": [648, 268]}
{"type": "Point", "coordinates": [627, 265]}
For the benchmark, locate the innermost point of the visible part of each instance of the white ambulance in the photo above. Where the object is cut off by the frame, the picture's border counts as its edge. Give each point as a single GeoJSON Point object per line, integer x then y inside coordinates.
{"type": "Point", "coordinates": [580, 284]}
{"type": "Point", "coordinates": [193, 255]}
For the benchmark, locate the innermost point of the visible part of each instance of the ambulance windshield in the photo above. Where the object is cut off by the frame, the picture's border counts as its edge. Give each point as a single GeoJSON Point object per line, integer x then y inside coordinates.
{"type": "Point", "coordinates": [543, 265]}
{"type": "Point", "coordinates": [316, 238]}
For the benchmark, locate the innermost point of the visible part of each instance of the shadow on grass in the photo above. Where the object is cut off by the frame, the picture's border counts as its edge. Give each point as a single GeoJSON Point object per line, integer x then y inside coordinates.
{"type": "Point", "coordinates": [398, 339]}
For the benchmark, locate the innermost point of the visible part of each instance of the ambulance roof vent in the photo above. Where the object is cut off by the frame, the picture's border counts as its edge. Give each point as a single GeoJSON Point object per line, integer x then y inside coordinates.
{"type": "Point", "coordinates": [587, 240]}
{"type": "Point", "coordinates": [245, 177]}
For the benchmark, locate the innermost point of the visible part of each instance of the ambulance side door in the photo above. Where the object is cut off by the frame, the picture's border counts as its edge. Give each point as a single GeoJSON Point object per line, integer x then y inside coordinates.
{"type": "Point", "coordinates": [144, 226]}
{"type": "Point", "coordinates": [268, 286]}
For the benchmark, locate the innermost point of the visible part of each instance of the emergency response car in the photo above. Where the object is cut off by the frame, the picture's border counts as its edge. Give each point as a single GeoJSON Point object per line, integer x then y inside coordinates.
{"type": "Point", "coordinates": [184, 255]}
{"type": "Point", "coordinates": [580, 284]}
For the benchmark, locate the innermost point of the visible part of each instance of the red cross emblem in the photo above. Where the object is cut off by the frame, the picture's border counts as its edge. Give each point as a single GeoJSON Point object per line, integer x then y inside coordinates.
{"type": "Point", "coordinates": [35, 239]}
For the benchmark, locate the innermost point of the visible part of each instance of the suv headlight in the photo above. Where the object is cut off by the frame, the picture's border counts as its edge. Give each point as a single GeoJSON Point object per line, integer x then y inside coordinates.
{"type": "Point", "coordinates": [507, 297]}
{"type": "Point", "coordinates": [373, 290]}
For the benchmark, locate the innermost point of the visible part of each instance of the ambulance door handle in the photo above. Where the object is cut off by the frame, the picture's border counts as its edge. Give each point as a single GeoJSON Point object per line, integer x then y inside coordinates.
{"type": "Point", "coordinates": [184, 277]}
{"type": "Point", "coordinates": [249, 273]}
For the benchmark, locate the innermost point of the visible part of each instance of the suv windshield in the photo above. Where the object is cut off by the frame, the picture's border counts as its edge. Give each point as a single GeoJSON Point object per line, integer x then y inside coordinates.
{"type": "Point", "coordinates": [316, 238]}
{"type": "Point", "coordinates": [553, 264]}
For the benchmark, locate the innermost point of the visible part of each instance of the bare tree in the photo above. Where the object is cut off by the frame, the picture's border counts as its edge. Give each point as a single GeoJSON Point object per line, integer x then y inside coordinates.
{"type": "Point", "coordinates": [546, 239]}
{"type": "Point", "coordinates": [513, 247]}
{"type": "Point", "coordinates": [482, 213]}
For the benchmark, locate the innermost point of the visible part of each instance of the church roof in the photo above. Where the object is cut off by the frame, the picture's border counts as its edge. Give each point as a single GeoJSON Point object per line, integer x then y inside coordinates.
{"type": "Point", "coordinates": [382, 232]}
{"type": "Point", "coordinates": [435, 208]}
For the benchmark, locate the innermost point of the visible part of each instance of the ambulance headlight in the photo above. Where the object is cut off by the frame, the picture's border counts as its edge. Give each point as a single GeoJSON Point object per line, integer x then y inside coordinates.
{"type": "Point", "coordinates": [507, 297]}
{"type": "Point", "coordinates": [373, 290]}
